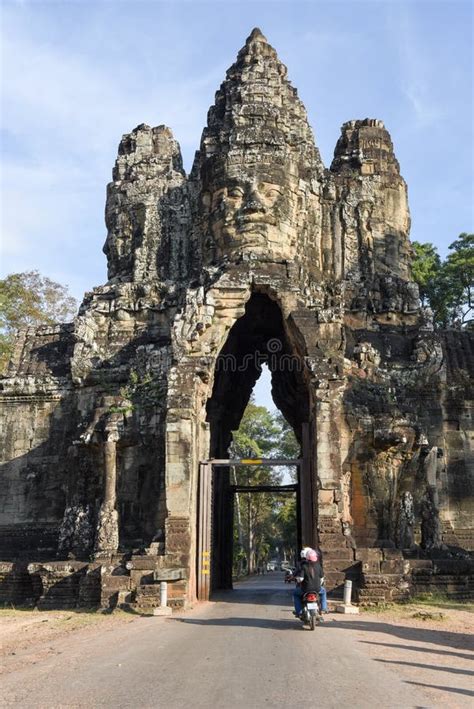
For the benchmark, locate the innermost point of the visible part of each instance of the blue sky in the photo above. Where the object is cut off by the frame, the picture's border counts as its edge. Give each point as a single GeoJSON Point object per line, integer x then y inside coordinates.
{"type": "Point", "coordinates": [76, 75]}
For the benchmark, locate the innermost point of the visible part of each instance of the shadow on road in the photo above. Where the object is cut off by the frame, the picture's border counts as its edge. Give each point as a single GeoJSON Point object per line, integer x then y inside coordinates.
{"type": "Point", "coordinates": [421, 666]}
{"type": "Point", "coordinates": [424, 650]}
{"type": "Point", "coordinates": [456, 690]}
{"type": "Point", "coordinates": [260, 597]}
{"type": "Point", "coordinates": [267, 624]}
{"type": "Point", "coordinates": [269, 590]}
{"type": "Point", "coordinates": [461, 641]}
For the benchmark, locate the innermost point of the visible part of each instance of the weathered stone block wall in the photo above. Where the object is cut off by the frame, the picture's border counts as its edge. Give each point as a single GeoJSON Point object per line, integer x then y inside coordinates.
{"type": "Point", "coordinates": [414, 433]}
{"type": "Point", "coordinates": [54, 585]}
{"type": "Point", "coordinates": [38, 419]}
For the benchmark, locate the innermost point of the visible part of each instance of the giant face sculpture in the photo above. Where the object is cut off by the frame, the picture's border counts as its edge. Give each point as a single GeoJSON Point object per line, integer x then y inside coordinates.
{"type": "Point", "coordinates": [252, 213]}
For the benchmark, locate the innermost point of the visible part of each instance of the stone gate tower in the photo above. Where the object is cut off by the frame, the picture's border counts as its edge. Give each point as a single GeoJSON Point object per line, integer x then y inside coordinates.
{"type": "Point", "coordinates": [260, 252]}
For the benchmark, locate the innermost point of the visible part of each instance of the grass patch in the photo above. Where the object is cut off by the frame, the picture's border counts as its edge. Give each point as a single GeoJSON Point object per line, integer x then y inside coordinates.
{"type": "Point", "coordinates": [429, 598]}
{"type": "Point", "coordinates": [440, 600]}
{"type": "Point", "coordinates": [57, 621]}
{"type": "Point", "coordinates": [378, 608]}
{"type": "Point", "coordinates": [76, 617]}
{"type": "Point", "coordinates": [427, 615]}
{"type": "Point", "coordinates": [420, 606]}
{"type": "Point", "coordinates": [9, 611]}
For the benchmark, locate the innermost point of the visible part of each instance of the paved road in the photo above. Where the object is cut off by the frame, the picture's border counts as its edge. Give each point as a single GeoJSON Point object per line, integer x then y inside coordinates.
{"type": "Point", "coordinates": [246, 650]}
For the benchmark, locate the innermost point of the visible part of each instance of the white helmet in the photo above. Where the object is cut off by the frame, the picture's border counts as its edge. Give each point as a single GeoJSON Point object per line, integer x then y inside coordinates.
{"type": "Point", "coordinates": [304, 552]}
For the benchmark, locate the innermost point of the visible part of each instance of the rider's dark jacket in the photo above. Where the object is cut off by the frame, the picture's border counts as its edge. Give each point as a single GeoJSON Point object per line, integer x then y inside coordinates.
{"type": "Point", "coordinates": [312, 574]}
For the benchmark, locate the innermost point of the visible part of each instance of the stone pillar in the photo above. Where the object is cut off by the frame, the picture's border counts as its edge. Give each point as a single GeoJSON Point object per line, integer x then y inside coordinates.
{"type": "Point", "coordinates": [328, 447]}
{"type": "Point", "coordinates": [307, 491]}
{"type": "Point", "coordinates": [431, 536]}
{"type": "Point", "coordinates": [329, 467]}
{"type": "Point", "coordinates": [107, 536]}
{"type": "Point", "coordinates": [181, 470]}
{"type": "Point", "coordinates": [337, 244]}
{"type": "Point", "coordinates": [110, 468]}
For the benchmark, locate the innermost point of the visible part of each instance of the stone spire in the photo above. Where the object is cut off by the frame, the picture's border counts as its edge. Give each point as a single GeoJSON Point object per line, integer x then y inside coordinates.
{"type": "Point", "coordinates": [148, 168]}
{"type": "Point", "coordinates": [258, 165]}
{"type": "Point", "coordinates": [374, 205]}
{"type": "Point", "coordinates": [257, 112]}
{"type": "Point", "coordinates": [365, 146]}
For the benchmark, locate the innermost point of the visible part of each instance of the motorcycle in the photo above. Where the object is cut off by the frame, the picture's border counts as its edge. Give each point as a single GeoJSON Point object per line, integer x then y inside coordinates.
{"type": "Point", "coordinates": [311, 609]}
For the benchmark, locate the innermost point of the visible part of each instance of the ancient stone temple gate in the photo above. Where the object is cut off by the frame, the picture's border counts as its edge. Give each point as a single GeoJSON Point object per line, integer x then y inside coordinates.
{"type": "Point", "coordinates": [260, 254]}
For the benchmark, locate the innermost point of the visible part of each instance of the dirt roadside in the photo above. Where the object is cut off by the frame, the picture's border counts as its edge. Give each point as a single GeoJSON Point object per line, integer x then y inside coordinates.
{"type": "Point", "coordinates": [29, 636]}
{"type": "Point", "coordinates": [430, 645]}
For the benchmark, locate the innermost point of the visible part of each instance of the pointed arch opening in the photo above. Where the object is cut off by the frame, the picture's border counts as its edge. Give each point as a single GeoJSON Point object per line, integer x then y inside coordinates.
{"type": "Point", "coordinates": [259, 337]}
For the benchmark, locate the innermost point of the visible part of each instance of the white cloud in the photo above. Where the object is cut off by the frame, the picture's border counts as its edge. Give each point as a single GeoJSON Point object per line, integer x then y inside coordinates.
{"type": "Point", "coordinates": [416, 72]}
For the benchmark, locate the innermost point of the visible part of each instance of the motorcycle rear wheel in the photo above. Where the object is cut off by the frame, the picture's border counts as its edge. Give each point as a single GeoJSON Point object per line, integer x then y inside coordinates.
{"type": "Point", "coordinates": [312, 621]}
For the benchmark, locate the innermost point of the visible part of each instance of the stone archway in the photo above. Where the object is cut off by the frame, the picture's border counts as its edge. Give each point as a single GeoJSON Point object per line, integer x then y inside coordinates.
{"type": "Point", "coordinates": [258, 336]}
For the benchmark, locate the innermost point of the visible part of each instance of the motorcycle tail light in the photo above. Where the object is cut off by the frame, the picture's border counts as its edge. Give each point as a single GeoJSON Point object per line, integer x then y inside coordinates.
{"type": "Point", "coordinates": [311, 597]}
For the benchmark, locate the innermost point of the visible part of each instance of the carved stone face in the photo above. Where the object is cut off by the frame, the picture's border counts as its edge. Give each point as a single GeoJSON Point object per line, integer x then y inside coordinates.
{"type": "Point", "coordinates": [255, 213]}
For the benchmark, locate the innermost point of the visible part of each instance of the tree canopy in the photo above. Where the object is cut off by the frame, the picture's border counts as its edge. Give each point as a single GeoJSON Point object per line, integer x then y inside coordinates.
{"type": "Point", "coordinates": [28, 299]}
{"type": "Point", "coordinates": [263, 521]}
{"type": "Point", "coordinates": [447, 286]}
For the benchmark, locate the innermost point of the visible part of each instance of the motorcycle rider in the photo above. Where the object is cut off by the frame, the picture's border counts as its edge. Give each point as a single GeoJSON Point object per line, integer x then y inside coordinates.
{"type": "Point", "coordinates": [310, 575]}
{"type": "Point", "coordinates": [322, 593]}
{"type": "Point", "coordinates": [299, 573]}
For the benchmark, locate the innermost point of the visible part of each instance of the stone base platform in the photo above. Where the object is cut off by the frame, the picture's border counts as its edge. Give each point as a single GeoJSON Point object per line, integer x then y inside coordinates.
{"type": "Point", "coordinates": [105, 584]}
{"type": "Point", "coordinates": [348, 610]}
{"type": "Point", "coordinates": [162, 611]}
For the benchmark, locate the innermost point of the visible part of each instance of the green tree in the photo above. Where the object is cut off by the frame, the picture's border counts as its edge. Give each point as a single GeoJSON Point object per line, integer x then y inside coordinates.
{"type": "Point", "coordinates": [285, 533]}
{"type": "Point", "coordinates": [260, 518]}
{"type": "Point", "coordinates": [284, 510]}
{"type": "Point", "coordinates": [447, 286]}
{"type": "Point", "coordinates": [28, 299]}
{"type": "Point", "coordinates": [425, 269]}
{"type": "Point", "coordinates": [258, 433]}
{"type": "Point", "coordinates": [256, 437]}
{"type": "Point", "coordinates": [459, 277]}
{"type": "Point", "coordinates": [287, 446]}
